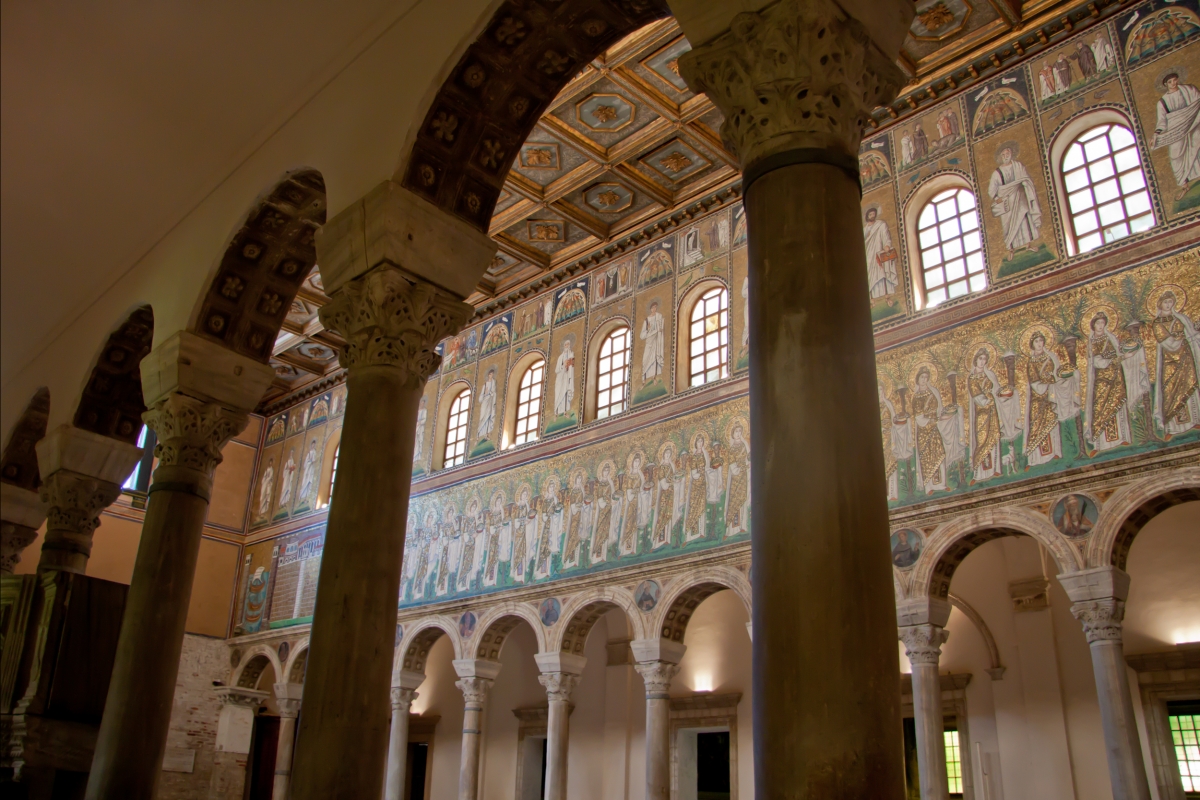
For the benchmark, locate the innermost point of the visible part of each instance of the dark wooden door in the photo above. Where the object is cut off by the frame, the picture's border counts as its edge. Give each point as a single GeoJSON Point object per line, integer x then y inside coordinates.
{"type": "Point", "coordinates": [260, 766]}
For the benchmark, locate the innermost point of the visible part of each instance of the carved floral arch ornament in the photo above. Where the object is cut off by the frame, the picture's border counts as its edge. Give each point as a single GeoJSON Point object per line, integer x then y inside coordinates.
{"type": "Point", "coordinates": [953, 541]}
{"type": "Point", "coordinates": [680, 600]}
{"type": "Point", "coordinates": [1125, 513]}
{"type": "Point", "coordinates": [581, 613]}
{"type": "Point", "coordinates": [419, 638]}
{"type": "Point", "coordinates": [498, 90]}
{"type": "Point", "coordinates": [496, 624]}
{"type": "Point", "coordinates": [112, 403]}
{"type": "Point", "coordinates": [263, 266]}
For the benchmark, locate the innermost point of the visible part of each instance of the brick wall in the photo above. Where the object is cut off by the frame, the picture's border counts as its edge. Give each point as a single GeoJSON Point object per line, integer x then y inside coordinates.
{"type": "Point", "coordinates": [193, 734]}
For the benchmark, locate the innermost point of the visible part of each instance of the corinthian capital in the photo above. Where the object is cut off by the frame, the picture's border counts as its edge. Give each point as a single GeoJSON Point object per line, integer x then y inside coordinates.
{"type": "Point", "coordinates": [559, 685]}
{"type": "Point", "coordinates": [1101, 619]}
{"type": "Point", "coordinates": [402, 699]}
{"type": "Point", "coordinates": [390, 318]}
{"type": "Point", "coordinates": [73, 505]}
{"type": "Point", "coordinates": [475, 689]}
{"type": "Point", "coordinates": [191, 432]}
{"type": "Point", "coordinates": [923, 643]}
{"type": "Point", "coordinates": [657, 676]}
{"type": "Point", "coordinates": [799, 74]}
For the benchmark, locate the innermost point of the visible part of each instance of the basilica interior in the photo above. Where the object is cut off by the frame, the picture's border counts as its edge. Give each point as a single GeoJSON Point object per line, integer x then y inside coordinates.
{"type": "Point", "coordinates": [601, 399]}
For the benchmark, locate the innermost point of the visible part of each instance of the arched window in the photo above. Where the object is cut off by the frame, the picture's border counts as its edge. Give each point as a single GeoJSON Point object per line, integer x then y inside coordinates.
{"type": "Point", "coordinates": [1106, 188]}
{"type": "Point", "coordinates": [529, 402]}
{"type": "Point", "coordinates": [708, 338]}
{"type": "Point", "coordinates": [456, 430]}
{"type": "Point", "coordinates": [612, 374]}
{"type": "Point", "coordinates": [951, 246]}
{"type": "Point", "coordinates": [333, 472]}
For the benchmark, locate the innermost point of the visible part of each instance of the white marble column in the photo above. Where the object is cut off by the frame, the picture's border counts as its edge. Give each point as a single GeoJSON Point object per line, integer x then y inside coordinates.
{"type": "Point", "coordinates": [1098, 601]}
{"type": "Point", "coordinates": [198, 394]}
{"type": "Point", "coordinates": [657, 661]}
{"type": "Point", "coordinates": [82, 473]}
{"type": "Point", "coordinates": [287, 695]}
{"type": "Point", "coordinates": [21, 514]}
{"type": "Point", "coordinates": [923, 646]}
{"type": "Point", "coordinates": [560, 674]}
{"type": "Point", "coordinates": [795, 82]}
{"type": "Point", "coordinates": [476, 679]}
{"type": "Point", "coordinates": [403, 695]}
{"type": "Point", "coordinates": [396, 270]}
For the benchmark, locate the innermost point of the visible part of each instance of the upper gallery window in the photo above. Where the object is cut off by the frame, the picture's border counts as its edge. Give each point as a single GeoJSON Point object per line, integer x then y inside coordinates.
{"type": "Point", "coordinates": [951, 246]}
{"type": "Point", "coordinates": [612, 374]}
{"type": "Point", "coordinates": [529, 402]}
{"type": "Point", "coordinates": [708, 338]}
{"type": "Point", "coordinates": [456, 430]}
{"type": "Point", "coordinates": [1105, 186]}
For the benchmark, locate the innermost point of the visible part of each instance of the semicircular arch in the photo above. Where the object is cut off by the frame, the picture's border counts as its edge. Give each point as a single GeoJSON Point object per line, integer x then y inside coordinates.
{"type": "Point", "coordinates": [252, 665]}
{"type": "Point", "coordinates": [496, 624]}
{"type": "Point", "coordinates": [953, 541]}
{"type": "Point", "coordinates": [419, 637]}
{"type": "Point", "coordinates": [679, 602]}
{"type": "Point", "coordinates": [581, 613]}
{"type": "Point", "coordinates": [297, 661]}
{"type": "Point", "coordinates": [1130, 508]}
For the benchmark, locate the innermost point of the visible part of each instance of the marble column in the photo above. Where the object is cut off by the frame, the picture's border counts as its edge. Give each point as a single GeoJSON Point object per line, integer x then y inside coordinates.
{"type": "Point", "coordinates": [560, 674]}
{"type": "Point", "coordinates": [392, 317]}
{"type": "Point", "coordinates": [21, 514]}
{"type": "Point", "coordinates": [657, 661]}
{"type": "Point", "coordinates": [922, 624]}
{"type": "Point", "coordinates": [403, 695]}
{"type": "Point", "coordinates": [1098, 601]}
{"type": "Point", "coordinates": [795, 82]}
{"type": "Point", "coordinates": [198, 394]}
{"type": "Point", "coordinates": [476, 677]}
{"type": "Point", "coordinates": [82, 473]}
{"type": "Point", "coordinates": [287, 695]}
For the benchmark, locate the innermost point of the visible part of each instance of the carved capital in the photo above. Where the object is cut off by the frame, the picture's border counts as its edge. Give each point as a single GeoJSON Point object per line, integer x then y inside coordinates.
{"type": "Point", "coordinates": [288, 707]}
{"type": "Point", "coordinates": [798, 74]}
{"type": "Point", "coordinates": [191, 432]}
{"type": "Point", "coordinates": [14, 539]}
{"type": "Point", "coordinates": [475, 690]}
{"type": "Point", "coordinates": [241, 697]}
{"type": "Point", "coordinates": [657, 676]}
{"type": "Point", "coordinates": [392, 319]}
{"type": "Point", "coordinates": [74, 502]}
{"type": "Point", "coordinates": [923, 643]}
{"type": "Point", "coordinates": [1101, 619]}
{"type": "Point", "coordinates": [559, 685]}
{"type": "Point", "coordinates": [402, 699]}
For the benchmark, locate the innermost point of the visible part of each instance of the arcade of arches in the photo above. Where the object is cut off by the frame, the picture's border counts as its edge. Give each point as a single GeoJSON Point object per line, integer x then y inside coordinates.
{"type": "Point", "coordinates": [540, 406]}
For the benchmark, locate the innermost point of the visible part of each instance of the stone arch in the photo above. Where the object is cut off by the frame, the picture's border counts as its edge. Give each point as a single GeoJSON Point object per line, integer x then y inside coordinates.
{"type": "Point", "coordinates": [111, 403]}
{"type": "Point", "coordinates": [1125, 513]}
{"type": "Point", "coordinates": [498, 90]}
{"type": "Point", "coordinates": [19, 464]}
{"type": "Point", "coordinates": [953, 541]}
{"type": "Point", "coordinates": [497, 623]}
{"type": "Point", "coordinates": [253, 663]}
{"type": "Point", "coordinates": [677, 605]}
{"type": "Point", "coordinates": [297, 662]}
{"type": "Point", "coordinates": [989, 641]}
{"type": "Point", "coordinates": [583, 612]}
{"type": "Point", "coordinates": [416, 643]}
{"type": "Point", "coordinates": [261, 270]}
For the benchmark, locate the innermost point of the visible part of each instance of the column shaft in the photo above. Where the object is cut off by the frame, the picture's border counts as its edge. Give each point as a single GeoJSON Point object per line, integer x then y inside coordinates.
{"type": "Point", "coordinates": [475, 693]}
{"type": "Point", "coordinates": [931, 749]}
{"type": "Point", "coordinates": [397, 762]}
{"type": "Point", "coordinates": [657, 676]}
{"type": "Point", "coordinates": [283, 758]}
{"type": "Point", "coordinates": [343, 736]}
{"type": "Point", "coordinates": [557, 738]}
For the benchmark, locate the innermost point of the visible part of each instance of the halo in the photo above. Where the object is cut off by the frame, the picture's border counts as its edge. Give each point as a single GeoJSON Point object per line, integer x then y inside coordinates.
{"type": "Point", "coordinates": [576, 473]}
{"type": "Point", "coordinates": [551, 480]}
{"type": "Point", "coordinates": [691, 439]}
{"type": "Point", "coordinates": [524, 486]}
{"type": "Point", "coordinates": [1161, 80]}
{"type": "Point", "coordinates": [1011, 145]}
{"type": "Point", "coordinates": [662, 448]}
{"type": "Point", "coordinates": [933, 374]}
{"type": "Point", "coordinates": [736, 421]}
{"type": "Point", "coordinates": [1027, 335]}
{"type": "Point", "coordinates": [1180, 293]}
{"type": "Point", "coordinates": [1114, 319]}
{"type": "Point", "coordinates": [874, 206]}
{"type": "Point", "coordinates": [993, 352]}
{"type": "Point", "coordinates": [637, 451]}
{"type": "Point", "coordinates": [608, 462]}
{"type": "Point", "coordinates": [569, 339]}
{"type": "Point", "coordinates": [498, 493]}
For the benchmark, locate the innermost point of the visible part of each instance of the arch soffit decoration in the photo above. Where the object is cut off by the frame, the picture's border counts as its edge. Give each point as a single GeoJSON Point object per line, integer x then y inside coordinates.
{"type": "Point", "coordinates": [263, 266]}
{"type": "Point", "coordinates": [953, 541]}
{"type": "Point", "coordinates": [416, 643]}
{"type": "Point", "coordinates": [111, 403]}
{"type": "Point", "coordinates": [19, 465]}
{"type": "Point", "coordinates": [253, 662]}
{"type": "Point", "coordinates": [582, 612]}
{"type": "Point", "coordinates": [496, 624]}
{"type": "Point", "coordinates": [295, 664]}
{"type": "Point", "coordinates": [680, 600]}
{"type": "Point", "coordinates": [498, 90]}
{"type": "Point", "coordinates": [1127, 511]}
